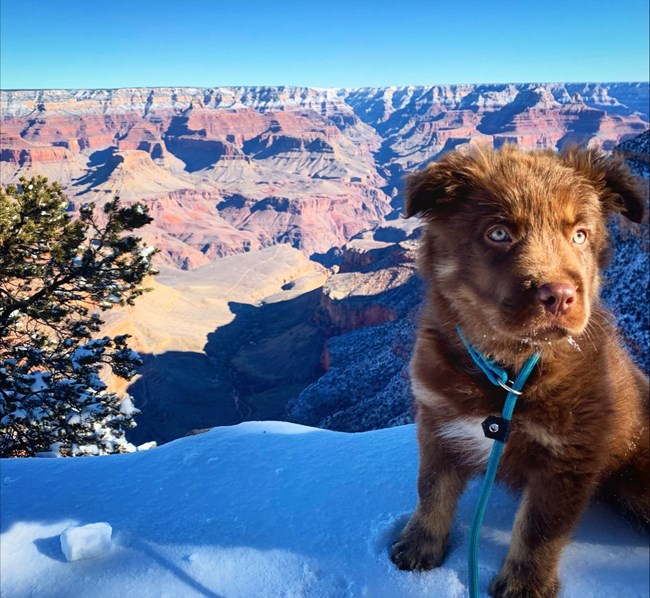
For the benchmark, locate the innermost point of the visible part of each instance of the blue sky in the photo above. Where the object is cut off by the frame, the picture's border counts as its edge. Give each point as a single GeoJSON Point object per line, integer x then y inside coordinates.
{"type": "Point", "coordinates": [330, 43]}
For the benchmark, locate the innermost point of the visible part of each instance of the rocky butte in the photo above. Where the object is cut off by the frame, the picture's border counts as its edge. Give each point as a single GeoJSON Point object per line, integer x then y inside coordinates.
{"type": "Point", "coordinates": [308, 312]}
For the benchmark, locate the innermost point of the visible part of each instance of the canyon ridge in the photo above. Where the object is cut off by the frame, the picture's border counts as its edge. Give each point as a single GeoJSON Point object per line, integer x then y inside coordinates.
{"type": "Point", "coordinates": [228, 170]}
{"type": "Point", "coordinates": [276, 213]}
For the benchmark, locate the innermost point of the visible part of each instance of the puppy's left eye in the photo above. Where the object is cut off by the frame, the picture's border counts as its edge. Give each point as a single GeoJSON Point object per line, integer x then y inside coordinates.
{"type": "Point", "coordinates": [580, 237]}
{"type": "Point", "coordinates": [499, 234]}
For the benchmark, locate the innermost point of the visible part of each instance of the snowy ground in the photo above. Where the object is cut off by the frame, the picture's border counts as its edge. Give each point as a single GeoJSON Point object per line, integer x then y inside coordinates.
{"type": "Point", "coordinates": [267, 509]}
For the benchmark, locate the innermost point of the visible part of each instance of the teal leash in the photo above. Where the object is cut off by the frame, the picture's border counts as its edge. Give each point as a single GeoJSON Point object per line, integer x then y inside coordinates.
{"type": "Point", "coordinates": [496, 428]}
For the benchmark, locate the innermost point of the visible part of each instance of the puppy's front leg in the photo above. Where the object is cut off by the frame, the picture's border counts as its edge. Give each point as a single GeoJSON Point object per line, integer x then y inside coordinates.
{"type": "Point", "coordinates": [549, 511]}
{"type": "Point", "coordinates": [423, 541]}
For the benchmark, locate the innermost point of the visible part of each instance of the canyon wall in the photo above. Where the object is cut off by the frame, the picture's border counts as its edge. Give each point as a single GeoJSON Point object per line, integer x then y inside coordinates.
{"type": "Point", "coordinates": [230, 170]}
{"type": "Point", "coordinates": [268, 177]}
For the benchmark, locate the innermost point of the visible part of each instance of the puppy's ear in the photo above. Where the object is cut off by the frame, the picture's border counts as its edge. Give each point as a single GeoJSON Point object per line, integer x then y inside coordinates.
{"type": "Point", "coordinates": [429, 190]}
{"type": "Point", "coordinates": [620, 191]}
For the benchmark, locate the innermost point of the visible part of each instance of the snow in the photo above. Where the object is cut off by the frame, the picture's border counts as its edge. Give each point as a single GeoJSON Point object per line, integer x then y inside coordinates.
{"type": "Point", "coordinates": [53, 453]}
{"type": "Point", "coordinates": [267, 509]}
{"type": "Point", "coordinates": [127, 407]}
{"type": "Point", "coordinates": [86, 541]}
{"type": "Point", "coordinates": [41, 380]}
{"type": "Point", "coordinates": [84, 353]}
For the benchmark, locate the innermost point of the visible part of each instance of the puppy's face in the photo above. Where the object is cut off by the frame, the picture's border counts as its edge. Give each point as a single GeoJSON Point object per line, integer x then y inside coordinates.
{"type": "Point", "coordinates": [515, 241]}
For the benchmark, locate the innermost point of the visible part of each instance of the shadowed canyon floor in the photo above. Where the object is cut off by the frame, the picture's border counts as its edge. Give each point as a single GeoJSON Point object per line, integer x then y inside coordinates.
{"type": "Point", "coordinates": [215, 338]}
{"type": "Point", "coordinates": [248, 370]}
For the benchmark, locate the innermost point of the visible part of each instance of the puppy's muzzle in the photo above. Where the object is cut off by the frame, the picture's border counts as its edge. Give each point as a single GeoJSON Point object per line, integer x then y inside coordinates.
{"type": "Point", "coordinates": [557, 297]}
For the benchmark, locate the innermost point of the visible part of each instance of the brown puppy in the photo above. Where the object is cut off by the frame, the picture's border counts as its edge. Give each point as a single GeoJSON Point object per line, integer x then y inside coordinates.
{"type": "Point", "coordinates": [512, 249]}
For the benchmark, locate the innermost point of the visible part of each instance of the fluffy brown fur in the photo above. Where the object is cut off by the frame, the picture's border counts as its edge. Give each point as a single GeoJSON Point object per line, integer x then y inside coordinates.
{"type": "Point", "coordinates": [512, 248]}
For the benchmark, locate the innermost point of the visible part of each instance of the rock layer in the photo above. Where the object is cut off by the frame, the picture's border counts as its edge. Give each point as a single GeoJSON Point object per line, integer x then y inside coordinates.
{"type": "Point", "coordinates": [224, 170]}
{"type": "Point", "coordinates": [229, 170]}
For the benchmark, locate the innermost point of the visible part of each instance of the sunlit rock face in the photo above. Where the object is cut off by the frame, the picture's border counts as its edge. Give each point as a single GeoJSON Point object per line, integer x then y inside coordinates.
{"type": "Point", "coordinates": [230, 170]}
{"type": "Point", "coordinates": [223, 170]}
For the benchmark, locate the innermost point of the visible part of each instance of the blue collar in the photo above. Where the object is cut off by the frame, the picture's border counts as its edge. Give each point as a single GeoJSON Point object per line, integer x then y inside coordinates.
{"type": "Point", "coordinates": [495, 374]}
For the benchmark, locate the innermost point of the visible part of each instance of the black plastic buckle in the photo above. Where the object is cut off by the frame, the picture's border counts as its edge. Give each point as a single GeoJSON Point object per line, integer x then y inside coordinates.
{"type": "Point", "coordinates": [496, 428]}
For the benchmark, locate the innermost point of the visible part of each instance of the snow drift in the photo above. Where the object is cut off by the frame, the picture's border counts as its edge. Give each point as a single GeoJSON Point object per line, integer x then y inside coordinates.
{"type": "Point", "coordinates": [268, 509]}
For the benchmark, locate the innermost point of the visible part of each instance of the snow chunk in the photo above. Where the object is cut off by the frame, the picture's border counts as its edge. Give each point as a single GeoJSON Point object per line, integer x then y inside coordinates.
{"type": "Point", "coordinates": [54, 452]}
{"type": "Point", "coordinates": [147, 446]}
{"type": "Point", "coordinates": [86, 541]}
{"type": "Point", "coordinates": [127, 407]}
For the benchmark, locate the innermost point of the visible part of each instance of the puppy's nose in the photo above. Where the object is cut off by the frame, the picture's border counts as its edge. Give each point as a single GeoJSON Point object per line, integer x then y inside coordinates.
{"type": "Point", "coordinates": [557, 297]}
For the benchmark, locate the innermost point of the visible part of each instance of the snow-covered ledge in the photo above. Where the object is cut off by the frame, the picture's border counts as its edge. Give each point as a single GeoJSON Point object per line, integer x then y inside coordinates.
{"type": "Point", "coordinates": [267, 509]}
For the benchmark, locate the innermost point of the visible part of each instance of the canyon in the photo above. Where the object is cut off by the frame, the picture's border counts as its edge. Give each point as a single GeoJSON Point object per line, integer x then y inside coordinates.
{"type": "Point", "coordinates": [287, 285]}
{"type": "Point", "coordinates": [230, 170]}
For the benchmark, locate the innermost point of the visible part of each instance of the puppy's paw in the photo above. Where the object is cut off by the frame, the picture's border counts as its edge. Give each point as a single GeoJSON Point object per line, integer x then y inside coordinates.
{"type": "Point", "coordinates": [416, 550]}
{"type": "Point", "coordinates": [508, 585]}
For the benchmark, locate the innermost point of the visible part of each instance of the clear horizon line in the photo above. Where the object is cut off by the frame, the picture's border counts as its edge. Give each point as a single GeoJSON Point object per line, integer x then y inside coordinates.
{"type": "Point", "coordinates": [319, 87]}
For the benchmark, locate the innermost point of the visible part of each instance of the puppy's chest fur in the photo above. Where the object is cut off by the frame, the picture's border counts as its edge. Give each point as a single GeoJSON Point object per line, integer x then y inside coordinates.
{"type": "Point", "coordinates": [545, 428]}
{"type": "Point", "coordinates": [531, 438]}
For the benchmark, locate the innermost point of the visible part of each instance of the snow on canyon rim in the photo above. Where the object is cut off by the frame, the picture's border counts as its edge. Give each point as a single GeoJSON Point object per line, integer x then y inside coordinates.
{"type": "Point", "coordinates": [268, 509]}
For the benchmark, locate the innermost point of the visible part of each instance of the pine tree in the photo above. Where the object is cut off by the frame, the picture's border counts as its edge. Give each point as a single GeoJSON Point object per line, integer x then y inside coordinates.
{"type": "Point", "coordinates": [56, 276]}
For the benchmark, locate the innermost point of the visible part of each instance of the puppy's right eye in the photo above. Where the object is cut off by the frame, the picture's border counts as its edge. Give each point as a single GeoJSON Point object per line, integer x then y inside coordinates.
{"type": "Point", "coordinates": [499, 234]}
